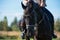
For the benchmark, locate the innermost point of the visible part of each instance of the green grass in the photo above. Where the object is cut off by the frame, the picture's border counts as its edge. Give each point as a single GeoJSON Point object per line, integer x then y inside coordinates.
{"type": "Point", "coordinates": [56, 39]}
{"type": "Point", "coordinates": [20, 39]}
{"type": "Point", "coordinates": [7, 39]}
{"type": "Point", "coordinates": [52, 39]}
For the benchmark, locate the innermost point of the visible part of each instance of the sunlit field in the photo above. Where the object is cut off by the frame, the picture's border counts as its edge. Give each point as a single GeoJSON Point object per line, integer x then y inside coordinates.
{"type": "Point", "coordinates": [21, 39]}
{"type": "Point", "coordinates": [13, 36]}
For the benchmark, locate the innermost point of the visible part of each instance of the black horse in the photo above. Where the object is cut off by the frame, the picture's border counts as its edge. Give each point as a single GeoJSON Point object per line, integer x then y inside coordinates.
{"type": "Point", "coordinates": [42, 30]}
{"type": "Point", "coordinates": [50, 16]}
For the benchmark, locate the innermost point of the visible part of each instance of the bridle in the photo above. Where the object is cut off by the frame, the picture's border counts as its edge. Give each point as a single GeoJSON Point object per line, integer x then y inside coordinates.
{"type": "Point", "coordinates": [36, 23]}
{"type": "Point", "coordinates": [35, 17]}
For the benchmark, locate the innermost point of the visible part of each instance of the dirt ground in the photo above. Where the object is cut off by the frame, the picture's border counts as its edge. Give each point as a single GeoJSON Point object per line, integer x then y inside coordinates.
{"type": "Point", "coordinates": [14, 33]}
{"type": "Point", "coordinates": [58, 34]}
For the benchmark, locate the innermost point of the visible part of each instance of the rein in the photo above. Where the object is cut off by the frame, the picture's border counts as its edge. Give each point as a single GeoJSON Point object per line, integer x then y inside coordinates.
{"type": "Point", "coordinates": [35, 15]}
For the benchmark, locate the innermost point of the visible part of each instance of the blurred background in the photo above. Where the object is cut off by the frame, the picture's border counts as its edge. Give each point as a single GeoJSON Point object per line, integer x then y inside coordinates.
{"type": "Point", "coordinates": [11, 12]}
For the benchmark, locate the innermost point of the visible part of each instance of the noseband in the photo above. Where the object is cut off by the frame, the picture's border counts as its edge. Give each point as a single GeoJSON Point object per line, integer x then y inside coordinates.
{"type": "Point", "coordinates": [35, 15]}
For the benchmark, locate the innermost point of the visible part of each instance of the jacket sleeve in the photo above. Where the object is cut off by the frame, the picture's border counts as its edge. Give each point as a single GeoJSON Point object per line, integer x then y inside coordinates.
{"type": "Point", "coordinates": [24, 7]}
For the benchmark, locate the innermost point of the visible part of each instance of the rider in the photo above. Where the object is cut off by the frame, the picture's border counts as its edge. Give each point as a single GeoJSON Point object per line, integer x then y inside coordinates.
{"type": "Point", "coordinates": [42, 4]}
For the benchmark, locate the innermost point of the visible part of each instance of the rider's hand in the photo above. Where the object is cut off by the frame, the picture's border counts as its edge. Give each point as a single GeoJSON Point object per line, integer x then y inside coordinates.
{"type": "Point", "coordinates": [25, 2]}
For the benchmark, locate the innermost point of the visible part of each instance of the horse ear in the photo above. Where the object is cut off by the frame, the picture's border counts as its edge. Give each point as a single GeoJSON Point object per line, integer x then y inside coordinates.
{"type": "Point", "coordinates": [23, 6]}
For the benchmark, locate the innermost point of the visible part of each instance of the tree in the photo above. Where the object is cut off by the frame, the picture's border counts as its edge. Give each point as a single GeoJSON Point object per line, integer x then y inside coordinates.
{"type": "Point", "coordinates": [9, 29]}
{"type": "Point", "coordinates": [1, 26]}
{"type": "Point", "coordinates": [14, 22]}
{"type": "Point", "coordinates": [5, 24]}
{"type": "Point", "coordinates": [57, 25]}
{"type": "Point", "coordinates": [14, 28]}
{"type": "Point", "coordinates": [14, 25]}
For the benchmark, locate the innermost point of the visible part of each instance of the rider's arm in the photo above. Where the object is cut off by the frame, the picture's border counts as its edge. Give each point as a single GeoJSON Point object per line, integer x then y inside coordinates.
{"type": "Point", "coordinates": [43, 3]}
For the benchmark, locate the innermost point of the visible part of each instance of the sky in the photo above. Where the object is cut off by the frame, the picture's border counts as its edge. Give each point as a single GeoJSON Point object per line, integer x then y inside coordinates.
{"type": "Point", "coordinates": [13, 8]}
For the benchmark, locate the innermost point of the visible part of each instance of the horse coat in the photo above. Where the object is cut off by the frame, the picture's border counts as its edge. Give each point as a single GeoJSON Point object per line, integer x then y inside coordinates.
{"type": "Point", "coordinates": [50, 16]}
{"type": "Point", "coordinates": [41, 27]}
